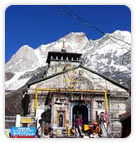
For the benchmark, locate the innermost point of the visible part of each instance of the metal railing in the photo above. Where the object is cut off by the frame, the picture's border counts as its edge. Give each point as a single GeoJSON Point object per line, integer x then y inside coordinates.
{"type": "Point", "coordinates": [10, 121]}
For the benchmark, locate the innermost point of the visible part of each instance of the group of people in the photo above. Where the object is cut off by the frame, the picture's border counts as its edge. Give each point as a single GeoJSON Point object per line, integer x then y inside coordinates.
{"type": "Point", "coordinates": [78, 130]}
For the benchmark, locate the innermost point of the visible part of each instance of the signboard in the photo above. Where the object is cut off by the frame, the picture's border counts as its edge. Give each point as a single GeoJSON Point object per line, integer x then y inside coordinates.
{"type": "Point", "coordinates": [23, 132]}
{"type": "Point", "coordinates": [26, 120]}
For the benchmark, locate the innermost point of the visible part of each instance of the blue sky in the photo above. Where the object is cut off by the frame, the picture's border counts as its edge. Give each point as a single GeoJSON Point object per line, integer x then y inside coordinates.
{"type": "Point", "coordinates": [35, 25]}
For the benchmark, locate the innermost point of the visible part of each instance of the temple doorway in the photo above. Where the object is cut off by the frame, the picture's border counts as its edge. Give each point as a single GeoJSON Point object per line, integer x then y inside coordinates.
{"type": "Point", "coordinates": [82, 111]}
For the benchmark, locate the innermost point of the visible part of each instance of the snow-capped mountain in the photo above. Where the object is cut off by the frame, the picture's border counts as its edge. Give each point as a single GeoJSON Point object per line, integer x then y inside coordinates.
{"type": "Point", "coordinates": [111, 56]}
{"type": "Point", "coordinates": [108, 55]}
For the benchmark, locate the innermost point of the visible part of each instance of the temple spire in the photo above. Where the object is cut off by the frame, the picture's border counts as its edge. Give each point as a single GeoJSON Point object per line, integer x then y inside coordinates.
{"type": "Point", "coordinates": [63, 47]}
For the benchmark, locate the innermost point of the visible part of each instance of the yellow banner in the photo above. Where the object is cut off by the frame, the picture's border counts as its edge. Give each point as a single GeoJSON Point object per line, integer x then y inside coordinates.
{"type": "Point", "coordinates": [26, 120]}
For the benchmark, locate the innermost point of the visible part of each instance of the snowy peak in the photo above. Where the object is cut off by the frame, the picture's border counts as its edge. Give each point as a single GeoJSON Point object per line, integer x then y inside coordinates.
{"type": "Point", "coordinates": [75, 42]}
{"type": "Point", "coordinates": [24, 59]}
{"type": "Point", "coordinates": [121, 36]}
{"type": "Point", "coordinates": [23, 52]}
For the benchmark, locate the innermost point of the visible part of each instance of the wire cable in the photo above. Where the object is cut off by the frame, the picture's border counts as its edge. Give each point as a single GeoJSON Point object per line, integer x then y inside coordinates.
{"type": "Point", "coordinates": [69, 12]}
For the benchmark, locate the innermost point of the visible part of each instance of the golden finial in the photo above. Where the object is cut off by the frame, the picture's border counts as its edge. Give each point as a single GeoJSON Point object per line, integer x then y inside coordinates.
{"type": "Point", "coordinates": [63, 47]}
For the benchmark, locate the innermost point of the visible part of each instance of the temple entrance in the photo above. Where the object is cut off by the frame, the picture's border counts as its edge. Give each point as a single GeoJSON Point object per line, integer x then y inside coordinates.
{"type": "Point", "coordinates": [82, 111]}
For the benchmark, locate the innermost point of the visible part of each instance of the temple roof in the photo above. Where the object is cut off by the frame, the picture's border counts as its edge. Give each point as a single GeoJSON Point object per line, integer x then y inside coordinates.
{"type": "Point", "coordinates": [62, 72]}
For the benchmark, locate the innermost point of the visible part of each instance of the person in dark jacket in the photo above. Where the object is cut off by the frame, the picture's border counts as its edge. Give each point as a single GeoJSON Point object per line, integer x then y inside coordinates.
{"type": "Point", "coordinates": [25, 103]}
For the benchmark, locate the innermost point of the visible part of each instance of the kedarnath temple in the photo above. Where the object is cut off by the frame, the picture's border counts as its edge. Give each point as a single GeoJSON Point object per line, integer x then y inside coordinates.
{"type": "Point", "coordinates": [69, 91]}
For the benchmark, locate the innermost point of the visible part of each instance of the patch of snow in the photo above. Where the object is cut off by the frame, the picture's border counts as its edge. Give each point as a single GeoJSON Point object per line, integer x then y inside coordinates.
{"type": "Point", "coordinates": [16, 83]}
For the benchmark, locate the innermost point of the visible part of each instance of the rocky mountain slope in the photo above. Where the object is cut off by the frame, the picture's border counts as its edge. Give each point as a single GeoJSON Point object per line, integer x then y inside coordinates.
{"type": "Point", "coordinates": [107, 55]}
